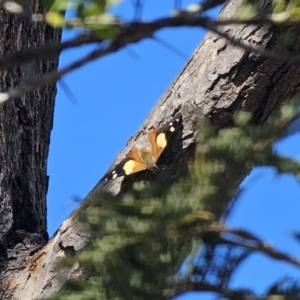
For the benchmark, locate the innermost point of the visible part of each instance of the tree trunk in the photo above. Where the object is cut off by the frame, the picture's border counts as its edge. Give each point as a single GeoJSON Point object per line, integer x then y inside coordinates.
{"type": "Point", "coordinates": [219, 79]}
{"type": "Point", "coordinates": [25, 127]}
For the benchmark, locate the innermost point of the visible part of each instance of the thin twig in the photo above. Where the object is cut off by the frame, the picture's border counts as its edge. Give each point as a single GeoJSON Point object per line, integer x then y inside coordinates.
{"type": "Point", "coordinates": [227, 293]}
{"type": "Point", "coordinates": [129, 34]}
{"type": "Point", "coordinates": [246, 239]}
{"type": "Point", "coordinates": [39, 53]}
{"type": "Point", "coordinates": [134, 28]}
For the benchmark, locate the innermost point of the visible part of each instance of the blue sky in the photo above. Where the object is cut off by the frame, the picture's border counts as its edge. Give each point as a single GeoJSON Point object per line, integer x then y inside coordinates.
{"type": "Point", "coordinates": [113, 97]}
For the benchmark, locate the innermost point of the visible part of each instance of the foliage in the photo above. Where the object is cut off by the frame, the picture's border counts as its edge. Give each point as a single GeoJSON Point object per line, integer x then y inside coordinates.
{"type": "Point", "coordinates": [95, 22]}
{"type": "Point", "coordinates": [98, 18]}
{"type": "Point", "coordinates": [89, 15]}
{"type": "Point", "coordinates": [146, 246]}
{"type": "Point", "coordinates": [281, 11]}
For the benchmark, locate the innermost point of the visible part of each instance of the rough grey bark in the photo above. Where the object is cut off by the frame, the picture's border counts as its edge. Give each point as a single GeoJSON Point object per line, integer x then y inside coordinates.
{"type": "Point", "coordinates": [25, 127]}
{"type": "Point", "coordinates": [219, 79]}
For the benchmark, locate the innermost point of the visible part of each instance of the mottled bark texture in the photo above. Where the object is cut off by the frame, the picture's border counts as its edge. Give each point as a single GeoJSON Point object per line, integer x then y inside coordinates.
{"type": "Point", "coordinates": [218, 79]}
{"type": "Point", "coordinates": [25, 127]}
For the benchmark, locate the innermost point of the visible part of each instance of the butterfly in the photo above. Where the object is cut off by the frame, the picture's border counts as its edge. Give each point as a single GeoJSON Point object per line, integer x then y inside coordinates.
{"type": "Point", "coordinates": [138, 160]}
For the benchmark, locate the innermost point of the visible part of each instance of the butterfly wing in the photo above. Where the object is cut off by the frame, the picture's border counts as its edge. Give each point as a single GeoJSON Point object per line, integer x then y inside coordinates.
{"type": "Point", "coordinates": [138, 160]}
{"type": "Point", "coordinates": [133, 163]}
{"type": "Point", "coordinates": [117, 171]}
{"type": "Point", "coordinates": [159, 137]}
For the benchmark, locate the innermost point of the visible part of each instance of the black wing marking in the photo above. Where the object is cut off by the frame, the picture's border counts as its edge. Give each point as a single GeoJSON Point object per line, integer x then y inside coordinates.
{"type": "Point", "coordinates": [117, 171]}
{"type": "Point", "coordinates": [172, 126]}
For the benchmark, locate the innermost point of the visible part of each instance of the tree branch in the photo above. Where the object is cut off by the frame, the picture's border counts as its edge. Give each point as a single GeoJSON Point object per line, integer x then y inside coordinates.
{"type": "Point", "coordinates": [138, 30]}
{"type": "Point", "coordinates": [129, 34]}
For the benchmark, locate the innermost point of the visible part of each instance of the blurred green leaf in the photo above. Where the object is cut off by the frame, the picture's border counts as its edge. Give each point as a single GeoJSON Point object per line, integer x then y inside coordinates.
{"type": "Point", "coordinates": [111, 3]}
{"type": "Point", "coordinates": [295, 13]}
{"type": "Point", "coordinates": [104, 26]}
{"type": "Point", "coordinates": [57, 5]}
{"type": "Point", "coordinates": [100, 6]}
{"type": "Point", "coordinates": [247, 11]}
{"type": "Point", "coordinates": [279, 7]}
{"type": "Point", "coordinates": [55, 19]}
